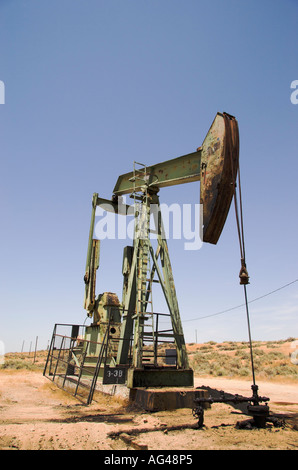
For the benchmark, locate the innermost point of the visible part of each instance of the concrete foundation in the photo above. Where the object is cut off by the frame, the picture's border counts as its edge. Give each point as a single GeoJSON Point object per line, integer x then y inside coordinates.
{"type": "Point", "coordinates": [161, 399]}
{"type": "Point", "coordinates": [149, 399]}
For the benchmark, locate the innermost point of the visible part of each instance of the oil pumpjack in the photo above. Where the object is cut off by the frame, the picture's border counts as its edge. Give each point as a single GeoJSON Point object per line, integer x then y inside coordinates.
{"type": "Point", "coordinates": [131, 327]}
{"type": "Point", "coordinates": [125, 342]}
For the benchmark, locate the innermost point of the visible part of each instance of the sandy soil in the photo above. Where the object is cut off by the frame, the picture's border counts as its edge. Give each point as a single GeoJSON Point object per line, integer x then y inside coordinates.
{"type": "Point", "coordinates": [36, 415]}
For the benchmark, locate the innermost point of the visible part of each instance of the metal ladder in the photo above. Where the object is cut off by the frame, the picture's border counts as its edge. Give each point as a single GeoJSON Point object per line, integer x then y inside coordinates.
{"type": "Point", "coordinates": [143, 271]}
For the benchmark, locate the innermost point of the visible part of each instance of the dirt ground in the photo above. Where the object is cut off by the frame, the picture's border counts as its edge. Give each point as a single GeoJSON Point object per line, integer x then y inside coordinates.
{"type": "Point", "coordinates": [36, 415]}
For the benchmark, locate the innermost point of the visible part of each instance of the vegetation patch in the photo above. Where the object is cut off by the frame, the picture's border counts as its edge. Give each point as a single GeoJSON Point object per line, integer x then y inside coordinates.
{"type": "Point", "coordinates": [231, 359]}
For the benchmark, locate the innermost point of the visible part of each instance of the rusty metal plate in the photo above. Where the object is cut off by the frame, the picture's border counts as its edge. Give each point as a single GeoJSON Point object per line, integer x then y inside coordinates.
{"type": "Point", "coordinates": [219, 166]}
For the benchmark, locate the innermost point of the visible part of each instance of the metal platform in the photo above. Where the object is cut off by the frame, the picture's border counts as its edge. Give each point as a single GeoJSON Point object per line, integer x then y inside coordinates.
{"type": "Point", "coordinates": [164, 377]}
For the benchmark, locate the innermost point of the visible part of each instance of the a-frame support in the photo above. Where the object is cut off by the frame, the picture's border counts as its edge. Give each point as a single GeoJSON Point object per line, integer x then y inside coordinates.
{"type": "Point", "coordinates": [215, 165]}
{"type": "Point", "coordinates": [136, 295]}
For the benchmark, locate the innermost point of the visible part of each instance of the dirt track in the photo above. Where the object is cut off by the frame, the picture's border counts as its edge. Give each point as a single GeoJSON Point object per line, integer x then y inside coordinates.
{"type": "Point", "coordinates": [36, 415]}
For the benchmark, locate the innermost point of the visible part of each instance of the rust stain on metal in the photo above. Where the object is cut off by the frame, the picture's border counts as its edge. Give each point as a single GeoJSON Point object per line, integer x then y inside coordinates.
{"type": "Point", "coordinates": [110, 299]}
{"type": "Point", "coordinates": [219, 166]}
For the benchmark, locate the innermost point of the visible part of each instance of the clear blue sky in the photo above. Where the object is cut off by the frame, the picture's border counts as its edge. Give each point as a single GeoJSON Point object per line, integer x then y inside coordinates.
{"type": "Point", "coordinates": [91, 86]}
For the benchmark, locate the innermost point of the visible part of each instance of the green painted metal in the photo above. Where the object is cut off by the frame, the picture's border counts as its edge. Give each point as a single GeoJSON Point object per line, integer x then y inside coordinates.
{"type": "Point", "coordinates": [94, 204]}
{"type": "Point", "coordinates": [215, 165]}
{"type": "Point", "coordinates": [137, 295]}
{"type": "Point", "coordinates": [138, 277]}
{"type": "Point", "coordinates": [92, 262]}
{"type": "Point", "coordinates": [93, 251]}
{"type": "Point", "coordinates": [179, 170]}
{"type": "Point", "coordinates": [141, 281]}
{"type": "Point", "coordinates": [160, 378]}
{"type": "Point", "coordinates": [167, 282]}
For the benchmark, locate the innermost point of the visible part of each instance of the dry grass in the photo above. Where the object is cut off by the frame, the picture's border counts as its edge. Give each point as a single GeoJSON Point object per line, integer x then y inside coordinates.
{"type": "Point", "coordinates": [21, 361]}
{"type": "Point", "coordinates": [272, 359]}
